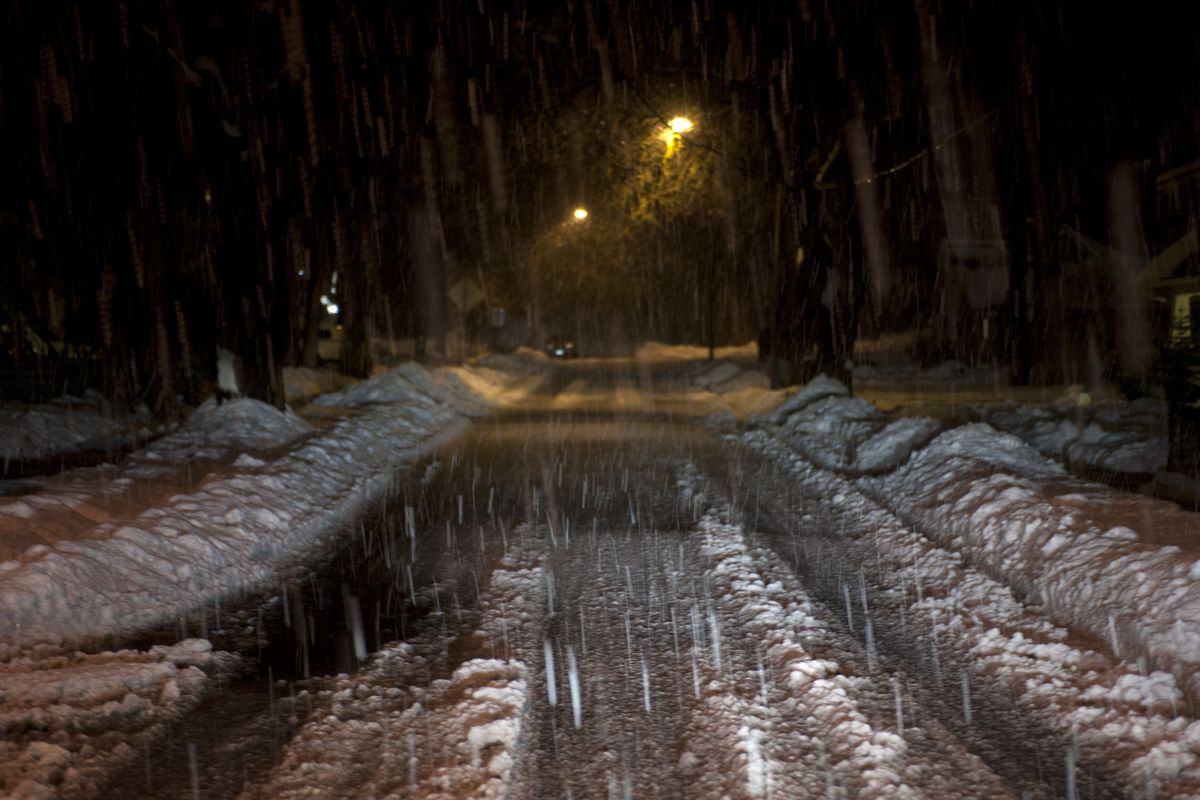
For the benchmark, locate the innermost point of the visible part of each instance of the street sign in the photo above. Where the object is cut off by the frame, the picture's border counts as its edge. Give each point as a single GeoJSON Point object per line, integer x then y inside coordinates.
{"type": "Point", "coordinates": [465, 294]}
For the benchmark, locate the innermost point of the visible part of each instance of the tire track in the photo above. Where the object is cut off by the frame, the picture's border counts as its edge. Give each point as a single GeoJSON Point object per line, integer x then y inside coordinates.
{"type": "Point", "coordinates": [402, 727]}
{"type": "Point", "coordinates": [813, 679]}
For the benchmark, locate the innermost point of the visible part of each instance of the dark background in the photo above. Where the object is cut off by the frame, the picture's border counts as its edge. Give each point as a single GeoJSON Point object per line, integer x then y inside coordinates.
{"type": "Point", "coordinates": [181, 176]}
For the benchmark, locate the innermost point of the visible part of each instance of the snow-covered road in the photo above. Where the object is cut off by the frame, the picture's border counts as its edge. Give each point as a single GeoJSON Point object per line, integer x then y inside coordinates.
{"type": "Point", "coordinates": [631, 641]}
{"type": "Point", "coordinates": [592, 596]}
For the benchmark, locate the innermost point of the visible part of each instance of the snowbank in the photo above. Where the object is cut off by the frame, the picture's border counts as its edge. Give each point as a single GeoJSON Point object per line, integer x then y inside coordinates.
{"type": "Point", "coordinates": [70, 720]}
{"type": "Point", "coordinates": [987, 495]}
{"type": "Point", "coordinates": [301, 384]}
{"type": "Point", "coordinates": [1120, 437]}
{"type": "Point", "coordinates": [818, 388]}
{"type": "Point", "coordinates": [92, 503]}
{"type": "Point", "coordinates": [1090, 431]}
{"type": "Point", "coordinates": [726, 385]}
{"type": "Point", "coordinates": [523, 361]}
{"type": "Point", "coordinates": [65, 425]}
{"type": "Point", "coordinates": [215, 430]}
{"type": "Point", "coordinates": [844, 433]}
{"type": "Point", "coordinates": [71, 424]}
{"type": "Point", "coordinates": [475, 390]}
{"type": "Point", "coordinates": [1020, 517]}
{"type": "Point", "coordinates": [407, 382]}
{"type": "Point", "coordinates": [1118, 712]}
{"type": "Point", "coordinates": [233, 532]}
{"type": "Point", "coordinates": [239, 528]}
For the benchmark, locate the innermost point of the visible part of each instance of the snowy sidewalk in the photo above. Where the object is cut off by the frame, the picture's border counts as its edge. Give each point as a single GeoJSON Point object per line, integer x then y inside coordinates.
{"type": "Point", "coordinates": [113, 550]}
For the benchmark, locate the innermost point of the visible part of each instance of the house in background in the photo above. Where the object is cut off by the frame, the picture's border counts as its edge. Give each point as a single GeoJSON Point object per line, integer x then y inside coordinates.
{"type": "Point", "coordinates": [1174, 275]}
{"type": "Point", "coordinates": [1089, 272]}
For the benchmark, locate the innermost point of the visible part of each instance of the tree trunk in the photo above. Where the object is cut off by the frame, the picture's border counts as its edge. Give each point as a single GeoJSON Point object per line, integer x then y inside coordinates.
{"type": "Point", "coordinates": [357, 322]}
{"type": "Point", "coordinates": [1181, 385]}
{"type": "Point", "coordinates": [1183, 433]}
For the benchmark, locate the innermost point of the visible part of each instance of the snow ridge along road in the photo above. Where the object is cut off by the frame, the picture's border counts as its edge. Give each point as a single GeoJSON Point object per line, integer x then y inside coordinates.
{"type": "Point", "coordinates": [278, 496]}
{"type": "Point", "coordinates": [1019, 517]}
{"type": "Point", "coordinates": [1134, 720]}
{"type": "Point", "coordinates": [241, 530]}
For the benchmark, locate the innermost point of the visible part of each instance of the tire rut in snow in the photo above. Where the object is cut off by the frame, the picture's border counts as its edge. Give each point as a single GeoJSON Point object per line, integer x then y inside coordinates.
{"type": "Point", "coordinates": [811, 692]}
{"type": "Point", "coordinates": [678, 664]}
{"type": "Point", "coordinates": [605, 695]}
{"type": "Point", "coordinates": [403, 726]}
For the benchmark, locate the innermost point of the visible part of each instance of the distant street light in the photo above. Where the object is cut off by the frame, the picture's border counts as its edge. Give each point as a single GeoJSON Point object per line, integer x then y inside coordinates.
{"type": "Point", "coordinates": [580, 214]}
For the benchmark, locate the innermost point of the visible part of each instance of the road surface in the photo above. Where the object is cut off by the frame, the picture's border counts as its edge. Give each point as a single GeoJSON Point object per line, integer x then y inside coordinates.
{"type": "Point", "coordinates": [597, 596]}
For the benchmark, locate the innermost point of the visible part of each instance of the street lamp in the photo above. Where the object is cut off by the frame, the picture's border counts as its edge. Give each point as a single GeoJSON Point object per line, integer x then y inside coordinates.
{"type": "Point", "coordinates": [580, 214]}
{"type": "Point", "coordinates": [675, 130]}
{"type": "Point", "coordinates": [681, 125]}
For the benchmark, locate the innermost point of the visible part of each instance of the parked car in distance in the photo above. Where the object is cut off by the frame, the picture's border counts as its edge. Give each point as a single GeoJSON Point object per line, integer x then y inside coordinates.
{"type": "Point", "coordinates": [561, 349]}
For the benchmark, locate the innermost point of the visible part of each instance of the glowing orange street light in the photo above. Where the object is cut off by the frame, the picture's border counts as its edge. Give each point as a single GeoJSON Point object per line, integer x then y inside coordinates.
{"type": "Point", "coordinates": [580, 214]}
{"type": "Point", "coordinates": [681, 125]}
{"type": "Point", "coordinates": [674, 131]}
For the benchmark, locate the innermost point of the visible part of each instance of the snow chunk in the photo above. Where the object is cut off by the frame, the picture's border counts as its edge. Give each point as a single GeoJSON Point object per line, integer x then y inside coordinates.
{"type": "Point", "coordinates": [891, 446]}
{"type": "Point", "coordinates": [240, 424]}
{"type": "Point", "coordinates": [407, 383]}
{"type": "Point", "coordinates": [818, 388]}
